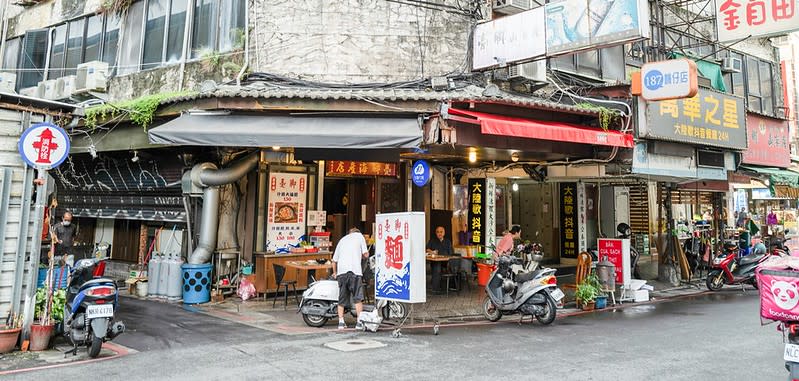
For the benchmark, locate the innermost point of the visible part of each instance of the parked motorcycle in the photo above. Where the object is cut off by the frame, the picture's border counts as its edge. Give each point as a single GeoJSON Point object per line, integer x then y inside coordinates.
{"type": "Point", "coordinates": [533, 293]}
{"type": "Point", "coordinates": [730, 268]}
{"type": "Point", "coordinates": [319, 304]}
{"type": "Point", "coordinates": [91, 303]}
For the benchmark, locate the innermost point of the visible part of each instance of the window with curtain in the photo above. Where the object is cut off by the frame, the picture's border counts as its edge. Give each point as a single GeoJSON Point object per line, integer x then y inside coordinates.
{"type": "Point", "coordinates": [154, 31]}
{"type": "Point", "coordinates": [11, 54]}
{"type": "Point", "coordinates": [177, 27]}
{"type": "Point", "coordinates": [94, 38]}
{"type": "Point", "coordinates": [32, 58]}
{"type": "Point", "coordinates": [58, 42]}
{"type": "Point", "coordinates": [766, 87]}
{"type": "Point", "coordinates": [74, 46]}
{"type": "Point", "coordinates": [130, 52]}
{"type": "Point", "coordinates": [218, 26]}
{"type": "Point", "coordinates": [753, 83]}
{"type": "Point", "coordinates": [111, 40]}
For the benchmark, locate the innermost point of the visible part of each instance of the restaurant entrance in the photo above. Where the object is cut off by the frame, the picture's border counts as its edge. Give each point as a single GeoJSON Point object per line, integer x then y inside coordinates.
{"type": "Point", "coordinates": [349, 203]}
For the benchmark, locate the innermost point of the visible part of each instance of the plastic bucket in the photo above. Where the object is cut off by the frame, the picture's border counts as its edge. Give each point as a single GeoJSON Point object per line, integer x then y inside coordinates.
{"type": "Point", "coordinates": [484, 273]}
{"type": "Point", "coordinates": [40, 336]}
{"type": "Point", "coordinates": [196, 283]}
{"type": "Point", "coordinates": [601, 302]}
{"type": "Point", "coordinates": [141, 288]}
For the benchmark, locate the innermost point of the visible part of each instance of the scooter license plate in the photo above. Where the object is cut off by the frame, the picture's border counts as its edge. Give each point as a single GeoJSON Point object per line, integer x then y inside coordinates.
{"type": "Point", "coordinates": [99, 311]}
{"type": "Point", "coordinates": [557, 294]}
{"type": "Point", "coordinates": [791, 352]}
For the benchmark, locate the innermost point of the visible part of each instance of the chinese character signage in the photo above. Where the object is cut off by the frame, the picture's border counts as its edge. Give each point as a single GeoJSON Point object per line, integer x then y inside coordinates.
{"type": "Point", "coordinates": [360, 168]}
{"type": "Point", "coordinates": [286, 210]}
{"type": "Point", "coordinates": [670, 79]}
{"type": "Point", "coordinates": [573, 25]}
{"type": "Point", "coordinates": [617, 251]}
{"type": "Point", "coordinates": [477, 213]}
{"type": "Point", "coordinates": [491, 212]}
{"type": "Point", "coordinates": [739, 19]}
{"type": "Point", "coordinates": [509, 39]}
{"type": "Point", "coordinates": [400, 257]}
{"type": "Point", "coordinates": [769, 143]}
{"type": "Point", "coordinates": [582, 218]}
{"type": "Point", "coordinates": [569, 232]}
{"type": "Point", "coordinates": [709, 118]}
{"type": "Point", "coordinates": [44, 145]}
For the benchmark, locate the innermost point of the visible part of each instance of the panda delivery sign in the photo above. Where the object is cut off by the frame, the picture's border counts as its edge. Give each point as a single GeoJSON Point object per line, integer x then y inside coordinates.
{"type": "Point", "coordinates": [779, 293]}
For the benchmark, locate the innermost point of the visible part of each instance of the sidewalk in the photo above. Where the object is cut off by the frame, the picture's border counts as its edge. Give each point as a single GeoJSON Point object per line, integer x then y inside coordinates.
{"type": "Point", "coordinates": [18, 362]}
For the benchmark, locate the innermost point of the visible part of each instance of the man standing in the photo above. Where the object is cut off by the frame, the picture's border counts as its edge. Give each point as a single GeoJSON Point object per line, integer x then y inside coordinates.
{"type": "Point", "coordinates": [439, 245]}
{"type": "Point", "coordinates": [64, 236]}
{"type": "Point", "coordinates": [347, 271]}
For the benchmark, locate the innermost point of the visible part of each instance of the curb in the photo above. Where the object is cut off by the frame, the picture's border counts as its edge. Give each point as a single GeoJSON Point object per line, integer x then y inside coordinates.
{"type": "Point", "coordinates": [116, 348]}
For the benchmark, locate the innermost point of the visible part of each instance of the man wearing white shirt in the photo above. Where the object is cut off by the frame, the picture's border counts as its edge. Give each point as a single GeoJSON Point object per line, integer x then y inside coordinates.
{"type": "Point", "coordinates": [347, 271]}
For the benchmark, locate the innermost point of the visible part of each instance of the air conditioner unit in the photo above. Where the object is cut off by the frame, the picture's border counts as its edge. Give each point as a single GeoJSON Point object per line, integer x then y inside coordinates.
{"type": "Point", "coordinates": [92, 76]}
{"type": "Point", "coordinates": [731, 65]}
{"type": "Point", "coordinates": [535, 71]}
{"type": "Point", "coordinates": [8, 82]}
{"type": "Point", "coordinates": [65, 86]}
{"type": "Point", "coordinates": [30, 91]}
{"type": "Point", "coordinates": [510, 7]}
{"type": "Point", "coordinates": [46, 89]}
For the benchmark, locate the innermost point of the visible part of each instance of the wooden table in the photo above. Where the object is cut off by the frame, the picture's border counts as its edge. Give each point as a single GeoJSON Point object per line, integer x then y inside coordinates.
{"type": "Point", "coordinates": [264, 269]}
{"type": "Point", "coordinates": [303, 265]}
{"type": "Point", "coordinates": [436, 262]}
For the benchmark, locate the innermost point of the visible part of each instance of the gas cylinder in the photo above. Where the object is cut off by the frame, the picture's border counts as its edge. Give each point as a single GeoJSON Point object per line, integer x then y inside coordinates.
{"type": "Point", "coordinates": [163, 276]}
{"type": "Point", "coordinates": [153, 270]}
{"type": "Point", "coordinates": [175, 281]}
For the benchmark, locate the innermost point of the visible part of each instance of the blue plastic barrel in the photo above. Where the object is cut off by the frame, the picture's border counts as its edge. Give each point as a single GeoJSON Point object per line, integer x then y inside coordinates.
{"type": "Point", "coordinates": [196, 283]}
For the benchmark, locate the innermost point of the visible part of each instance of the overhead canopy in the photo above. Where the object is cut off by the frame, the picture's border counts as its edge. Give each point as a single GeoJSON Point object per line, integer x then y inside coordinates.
{"type": "Point", "coordinates": [289, 131]}
{"type": "Point", "coordinates": [782, 183]}
{"type": "Point", "coordinates": [493, 124]}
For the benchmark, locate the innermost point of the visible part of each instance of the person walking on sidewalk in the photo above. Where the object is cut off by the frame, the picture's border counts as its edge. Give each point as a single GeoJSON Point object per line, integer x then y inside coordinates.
{"type": "Point", "coordinates": [347, 271]}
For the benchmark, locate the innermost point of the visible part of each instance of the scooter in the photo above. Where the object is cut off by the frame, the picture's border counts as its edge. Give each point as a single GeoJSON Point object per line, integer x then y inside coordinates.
{"type": "Point", "coordinates": [730, 268]}
{"type": "Point", "coordinates": [319, 304]}
{"type": "Point", "coordinates": [91, 303]}
{"type": "Point", "coordinates": [533, 293]}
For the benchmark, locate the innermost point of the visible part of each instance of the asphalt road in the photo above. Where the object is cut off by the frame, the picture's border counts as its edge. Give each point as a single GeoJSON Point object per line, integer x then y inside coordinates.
{"type": "Point", "coordinates": [707, 337]}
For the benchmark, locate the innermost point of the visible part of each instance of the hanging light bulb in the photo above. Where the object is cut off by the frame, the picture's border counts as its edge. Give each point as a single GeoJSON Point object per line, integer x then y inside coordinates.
{"type": "Point", "coordinates": [514, 157]}
{"type": "Point", "coordinates": [276, 148]}
{"type": "Point", "coordinates": [472, 156]}
{"type": "Point", "coordinates": [515, 187]}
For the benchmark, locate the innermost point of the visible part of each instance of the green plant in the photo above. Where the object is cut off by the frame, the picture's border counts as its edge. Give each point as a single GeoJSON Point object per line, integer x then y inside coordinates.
{"type": "Point", "coordinates": [589, 289]}
{"type": "Point", "coordinates": [140, 110]}
{"type": "Point", "coordinates": [57, 308]}
{"type": "Point", "coordinates": [606, 115]}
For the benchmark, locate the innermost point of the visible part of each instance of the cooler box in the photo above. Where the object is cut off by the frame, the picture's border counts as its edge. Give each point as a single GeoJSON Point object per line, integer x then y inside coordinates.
{"type": "Point", "coordinates": [779, 294]}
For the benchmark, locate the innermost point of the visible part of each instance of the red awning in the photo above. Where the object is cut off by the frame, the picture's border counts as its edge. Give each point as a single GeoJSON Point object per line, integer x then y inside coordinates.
{"type": "Point", "coordinates": [492, 124]}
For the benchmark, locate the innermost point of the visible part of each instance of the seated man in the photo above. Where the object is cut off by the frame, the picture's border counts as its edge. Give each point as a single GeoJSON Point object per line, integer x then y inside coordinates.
{"type": "Point", "coordinates": [439, 245]}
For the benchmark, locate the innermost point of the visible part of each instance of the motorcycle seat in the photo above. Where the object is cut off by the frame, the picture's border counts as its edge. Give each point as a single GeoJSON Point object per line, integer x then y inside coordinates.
{"type": "Point", "coordinates": [749, 259]}
{"type": "Point", "coordinates": [524, 277]}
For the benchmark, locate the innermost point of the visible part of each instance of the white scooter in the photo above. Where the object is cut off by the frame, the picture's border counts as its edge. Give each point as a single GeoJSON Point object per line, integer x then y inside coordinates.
{"type": "Point", "coordinates": [319, 304]}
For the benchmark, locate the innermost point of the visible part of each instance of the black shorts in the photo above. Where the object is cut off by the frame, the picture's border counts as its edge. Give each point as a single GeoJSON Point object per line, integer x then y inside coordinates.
{"type": "Point", "coordinates": [349, 288]}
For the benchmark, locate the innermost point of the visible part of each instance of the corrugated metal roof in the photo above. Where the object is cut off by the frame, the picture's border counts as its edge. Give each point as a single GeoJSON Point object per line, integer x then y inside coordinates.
{"type": "Point", "coordinates": [465, 94]}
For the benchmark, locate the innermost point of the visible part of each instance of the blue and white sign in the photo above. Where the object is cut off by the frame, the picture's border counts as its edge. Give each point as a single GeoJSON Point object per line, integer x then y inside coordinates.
{"type": "Point", "coordinates": [44, 146]}
{"type": "Point", "coordinates": [420, 173]}
{"type": "Point", "coordinates": [400, 257]}
{"type": "Point", "coordinates": [671, 79]}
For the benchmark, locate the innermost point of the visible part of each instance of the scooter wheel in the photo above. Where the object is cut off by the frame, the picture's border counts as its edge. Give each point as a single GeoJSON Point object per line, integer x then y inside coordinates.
{"type": "Point", "coordinates": [715, 280]}
{"type": "Point", "coordinates": [396, 333]}
{"type": "Point", "coordinates": [435, 329]}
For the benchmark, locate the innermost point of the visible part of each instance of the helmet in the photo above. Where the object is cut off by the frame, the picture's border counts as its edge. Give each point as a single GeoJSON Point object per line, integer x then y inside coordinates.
{"type": "Point", "coordinates": [624, 229]}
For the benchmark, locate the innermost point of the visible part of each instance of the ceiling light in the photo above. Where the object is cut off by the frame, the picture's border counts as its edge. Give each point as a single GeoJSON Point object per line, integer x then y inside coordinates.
{"type": "Point", "coordinates": [514, 157]}
{"type": "Point", "coordinates": [515, 187]}
{"type": "Point", "coordinates": [276, 148]}
{"type": "Point", "coordinates": [135, 157]}
{"type": "Point", "coordinates": [472, 156]}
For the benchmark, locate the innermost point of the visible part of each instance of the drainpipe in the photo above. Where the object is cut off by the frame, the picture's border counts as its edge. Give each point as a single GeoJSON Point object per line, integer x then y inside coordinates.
{"type": "Point", "coordinates": [246, 43]}
{"type": "Point", "coordinates": [207, 176]}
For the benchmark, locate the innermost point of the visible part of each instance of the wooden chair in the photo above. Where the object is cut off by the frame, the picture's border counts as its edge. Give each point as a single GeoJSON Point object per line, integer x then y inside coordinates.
{"type": "Point", "coordinates": [583, 269]}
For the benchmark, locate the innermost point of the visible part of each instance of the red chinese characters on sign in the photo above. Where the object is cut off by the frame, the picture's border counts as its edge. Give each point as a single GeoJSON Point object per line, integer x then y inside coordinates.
{"type": "Point", "coordinates": [729, 9]}
{"type": "Point", "coordinates": [740, 14]}
{"type": "Point", "coordinates": [394, 253]}
{"type": "Point", "coordinates": [45, 145]}
{"type": "Point", "coordinates": [360, 168]}
{"type": "Point", "coordinates": [768, 142]}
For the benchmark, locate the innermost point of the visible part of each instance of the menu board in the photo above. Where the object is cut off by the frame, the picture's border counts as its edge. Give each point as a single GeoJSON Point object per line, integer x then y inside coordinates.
{"type": "Point", "coordinates": [286, 213]}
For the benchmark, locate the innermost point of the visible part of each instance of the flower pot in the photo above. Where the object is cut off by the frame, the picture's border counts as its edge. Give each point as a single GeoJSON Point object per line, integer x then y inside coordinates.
{"type": "Point", "coordinates": [588, 306]}
{"type": "Point", "coordinates": [8, 339]}
{"type": "Point", "coordinates": [40, 336]}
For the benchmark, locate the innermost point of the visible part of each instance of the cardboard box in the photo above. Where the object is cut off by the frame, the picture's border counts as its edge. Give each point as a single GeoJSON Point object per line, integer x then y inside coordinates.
{"type": "Point", "coordinates": [641, 296]}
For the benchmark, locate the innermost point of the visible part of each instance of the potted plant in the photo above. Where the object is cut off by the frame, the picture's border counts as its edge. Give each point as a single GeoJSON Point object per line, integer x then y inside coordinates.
{"type": "Point", "coordinates": [46, 317]}
{"type": "Point", "coordinates": [588, 291]}
{"type": "Point", "coordinates": [9, 333]}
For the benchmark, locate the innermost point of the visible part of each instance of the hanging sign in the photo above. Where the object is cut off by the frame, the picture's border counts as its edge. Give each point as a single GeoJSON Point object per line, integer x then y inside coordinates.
{"type": "Point", "coordinates": [400, 257]}
{"type": "Point", "coordinates": [44, 146]}
{"type": "Point", "coordinates": [477, 205]}
{"type": "Point", "coordinates": [670, 79]}
{"type": "Point", "coordinates": [421, 174]}
{"type": "Point", "coordinates": [491, 212]}
{"type": "Point", "coordinates": [343, 168]}
{"type": "Point", "coordinates": [769, 143]}
{"type": "Point", "coordinates": [569, 234]}
{"type": "Point", "coordinates": [739, 19]}
{"type": "Point", "coordinates": [286, 214]}
{"type": "Point", "coordinates": [617, 252]}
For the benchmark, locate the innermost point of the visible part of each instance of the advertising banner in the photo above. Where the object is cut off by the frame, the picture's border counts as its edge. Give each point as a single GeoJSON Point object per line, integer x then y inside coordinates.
{"type": "Point", "coordinates": [709, 118]}
{"type": "Point", "coordinates": [477, 206]}
{"type": "Point", "coordinates": [738, 19]}
{"type": "Point", "coordinates": [569, 232]}
{"type": "Point", "coordinates": [286, 213]}
{"type": "Point", "coordinates": [617, 252]}
{"type": "Point", "coordinates": [769, 143]}
{"type": "Point", "coordinates": [400, 257]}
{"type": "Point", "coordinates": [509, 39]}
{"type": "Point", "coordinates": [343, 168]}
{"type": "Point", "coordinates": [491, 212]}
{"type": "Point", "coordinates": [573, 25]}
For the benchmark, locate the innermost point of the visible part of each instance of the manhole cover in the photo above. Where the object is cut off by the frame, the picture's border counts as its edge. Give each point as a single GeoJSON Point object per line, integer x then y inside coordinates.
{"type": "Point", "coordinates": [354, 345]}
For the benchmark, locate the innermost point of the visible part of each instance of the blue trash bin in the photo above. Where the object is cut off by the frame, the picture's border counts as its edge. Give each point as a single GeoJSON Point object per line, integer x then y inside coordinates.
{"type": "Point", "coordinates": [196, 283]}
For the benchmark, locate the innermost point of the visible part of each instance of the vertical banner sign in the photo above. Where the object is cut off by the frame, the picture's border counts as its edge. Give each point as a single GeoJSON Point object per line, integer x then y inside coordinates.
{"type": "Point", "coordinates": [477, 204]}
{"type": "Point", "coordinates": [399, 257]}
{"type": "Point", "coordinates": [617, 251]}
{"type": "Point", "coordinates": [568, 220]}
{"type": "Point", "coordinates": [491, 212]}
{"type": "Point", "coordinates": [582, 218]}
{"type": "Point", "coordinates": [286, 214]}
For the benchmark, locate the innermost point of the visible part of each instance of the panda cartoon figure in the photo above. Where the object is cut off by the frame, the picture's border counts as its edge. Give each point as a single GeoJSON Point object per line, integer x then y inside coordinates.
{"type": "Point", "coordinates": [786, 295]}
